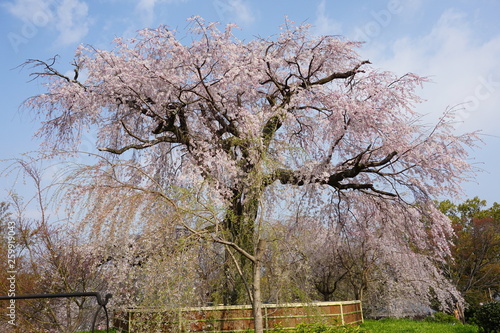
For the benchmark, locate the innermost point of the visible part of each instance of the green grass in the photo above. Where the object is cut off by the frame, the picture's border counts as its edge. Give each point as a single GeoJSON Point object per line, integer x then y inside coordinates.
{"type": "Point", "coordinates": [401, 326]}
{"type": "Point", "coordinates": [111, 330]}
{"type": "Point", "coordinates": [412, 326]}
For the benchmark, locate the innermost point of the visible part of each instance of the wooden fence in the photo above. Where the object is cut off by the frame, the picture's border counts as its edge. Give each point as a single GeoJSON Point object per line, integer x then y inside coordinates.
{"type": "Point", "coordinates": [238, 318]}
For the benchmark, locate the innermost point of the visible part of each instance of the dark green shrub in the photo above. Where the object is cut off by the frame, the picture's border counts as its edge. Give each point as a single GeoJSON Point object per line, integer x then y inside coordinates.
{"type": "Point", "coordinates": [488, 317]}
{"type": "Point", "coordinates": [470, 315]}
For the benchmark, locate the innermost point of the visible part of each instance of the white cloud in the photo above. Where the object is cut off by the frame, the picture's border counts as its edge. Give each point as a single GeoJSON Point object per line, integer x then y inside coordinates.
{"type": "Point", "coordinates": [323, 25]}
{"type": "Point", "coordinates": [68, 17]}
{"type": "Point", "coordinates": [242, 11]}
{"type": "Point", "coordinates": [465, 70]}
{"type": "Point", "coordinates": [30, 10]}
{"type": "Point", "coordinates": [237, 11]}
{"type": "Point", "coordinates": [146, 10]}
{"type": "Point", "coordinates": [72, 21]}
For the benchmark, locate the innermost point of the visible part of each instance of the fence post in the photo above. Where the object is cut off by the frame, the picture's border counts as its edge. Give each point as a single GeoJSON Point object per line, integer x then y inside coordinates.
{"type": "Point", "coordinates": [361, 311]}
{"type": "Point", "coordinates": [274, 314]}
{"type": "Point", "coordinates": [267, 317]}
{"type": "Point", "coordinates": [179, 319]}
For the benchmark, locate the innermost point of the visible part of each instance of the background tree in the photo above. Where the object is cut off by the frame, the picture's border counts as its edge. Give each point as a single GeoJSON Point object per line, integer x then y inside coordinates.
{"type": "Point", "coordinates": [49, 259]}
{"type": "Point", "coordinates": [350, 258]}
{"type": "Point", "coordinates": [475, 268]}
{"type": "Point", "coordinates": [243, 122]}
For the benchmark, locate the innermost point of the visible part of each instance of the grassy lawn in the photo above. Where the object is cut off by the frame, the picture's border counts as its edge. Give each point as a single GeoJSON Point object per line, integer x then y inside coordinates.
{"type": "Point", "coordinates": [411, 326]}
{"type": "Point", "coordinates": [111, 330]}
{"type": "Point", "coordinates": [403, 326]}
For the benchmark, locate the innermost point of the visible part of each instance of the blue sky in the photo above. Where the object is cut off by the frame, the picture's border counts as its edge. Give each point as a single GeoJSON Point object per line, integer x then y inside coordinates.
{"type": "Point", "coordinates": [456, 43]}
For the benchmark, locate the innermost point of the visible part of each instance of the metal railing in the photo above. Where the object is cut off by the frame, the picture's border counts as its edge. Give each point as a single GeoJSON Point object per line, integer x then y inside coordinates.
{"type": "Point", "coordinates": [102, 302]}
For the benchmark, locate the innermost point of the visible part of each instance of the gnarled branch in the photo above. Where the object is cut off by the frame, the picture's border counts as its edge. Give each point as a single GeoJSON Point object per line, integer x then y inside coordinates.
{"type": "Point", "coordinates": [292, 177]}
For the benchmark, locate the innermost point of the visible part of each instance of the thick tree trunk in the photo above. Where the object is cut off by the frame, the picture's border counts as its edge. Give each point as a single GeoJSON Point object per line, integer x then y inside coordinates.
{"type": "Point", "coordinates": [240, 228]}
{"type": "Point", "coordinates": [237, 283]}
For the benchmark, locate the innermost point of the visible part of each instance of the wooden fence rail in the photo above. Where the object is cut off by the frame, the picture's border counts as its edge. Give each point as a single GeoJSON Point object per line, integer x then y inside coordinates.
{"type": "Point", "coordinates": [238, 318]}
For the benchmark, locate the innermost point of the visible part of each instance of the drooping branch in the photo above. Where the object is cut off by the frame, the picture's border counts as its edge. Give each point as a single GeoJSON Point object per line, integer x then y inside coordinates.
{"type": "Point", "coordinates": [234, 246]}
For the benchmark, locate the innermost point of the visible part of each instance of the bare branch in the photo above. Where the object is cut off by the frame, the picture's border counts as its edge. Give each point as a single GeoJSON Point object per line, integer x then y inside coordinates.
{"type": "Point", "coordinates": [341, 75]}
{"type": "Point", "coordinates": [234, 246]}
{"type": "Point", "coordinates": [295, 178]}
{"type": "Point", "coordinates": [146, 144]}
{"type": "Point", "coordinates": [49, 70]}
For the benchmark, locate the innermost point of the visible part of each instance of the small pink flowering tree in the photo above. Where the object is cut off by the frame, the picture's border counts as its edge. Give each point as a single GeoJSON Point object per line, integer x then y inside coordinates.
{"type": "Point", "coordinates": [246, 121]}
{"type": "Point", "coordinates": [354, 252]}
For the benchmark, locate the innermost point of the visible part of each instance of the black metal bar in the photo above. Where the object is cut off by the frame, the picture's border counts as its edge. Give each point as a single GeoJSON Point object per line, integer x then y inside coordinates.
{"type": "Point", "coordinates": [101, 301]}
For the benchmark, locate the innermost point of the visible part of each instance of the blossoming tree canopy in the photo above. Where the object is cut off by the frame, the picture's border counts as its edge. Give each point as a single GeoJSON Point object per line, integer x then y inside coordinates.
{"type": "Point", "coordinates": [296, 109]}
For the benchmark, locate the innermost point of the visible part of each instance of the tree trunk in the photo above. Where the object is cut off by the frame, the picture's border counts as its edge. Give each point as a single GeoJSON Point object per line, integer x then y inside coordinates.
{"type": "Point", "coordinates": [239, 225]}
{"type": "Point", "coordinates": [257, 299]}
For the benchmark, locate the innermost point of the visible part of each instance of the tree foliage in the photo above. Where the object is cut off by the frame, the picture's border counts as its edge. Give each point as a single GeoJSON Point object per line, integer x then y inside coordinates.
{"type": "Point", "coordinates": [351, 258]}
{"type": "Point", "coordinates": [225, 130]}
{"type": "Point", "coordinates": [49, 258]}
{"type": "Point", "coordinates": [475, 268]}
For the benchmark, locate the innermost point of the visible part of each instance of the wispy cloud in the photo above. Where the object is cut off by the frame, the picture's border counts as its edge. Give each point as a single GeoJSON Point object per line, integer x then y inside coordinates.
{"type": "Point", "coordinates": [28, 10]}
{"type": "Point", "coordinates": [68, 17]}
{"type": "Point", "coordinates": [464, 68]}
{"type": "Point", "coordinates": [242, 11]}
{"type": "Point", "coordinates": [147, 9]}
{"type": "Point", "coordinates": [324, 25]}
{"type": "Point", "coordinates": [72, 21]}
{"type": "Point", "coordinates": [236, 11]}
